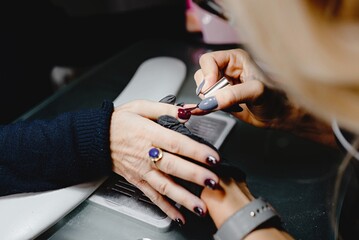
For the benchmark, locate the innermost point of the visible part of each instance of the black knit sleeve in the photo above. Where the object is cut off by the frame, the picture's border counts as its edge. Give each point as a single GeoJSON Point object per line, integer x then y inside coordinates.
{"type": "Point", "coordinates": [49, 154]}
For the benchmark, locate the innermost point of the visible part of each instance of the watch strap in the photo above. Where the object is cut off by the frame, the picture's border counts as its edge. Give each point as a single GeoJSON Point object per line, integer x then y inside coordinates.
{"type": "Point", "coordinates": [245, 220]}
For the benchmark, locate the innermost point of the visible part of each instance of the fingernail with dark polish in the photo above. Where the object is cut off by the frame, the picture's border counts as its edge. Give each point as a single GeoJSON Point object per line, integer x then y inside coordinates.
{"type": "Point", "coordinates": [234, 108]}
{"type": "Point", "coordinates": [170, 99]}
{"type": "Point", "coordinates": [208, 104]}
{"type": "Point", "coordinates": [199, 211]}
{"type": "Point", "coordinates": [179, 222]}
{"type": "Point", "coordinates": [184, 113]}
{"type": "Point", "coordinates": [200, 86]}
{"type": "Point", "coordinates": [212, 160]}
{"type": "Point", "coordinates": [210, 183]}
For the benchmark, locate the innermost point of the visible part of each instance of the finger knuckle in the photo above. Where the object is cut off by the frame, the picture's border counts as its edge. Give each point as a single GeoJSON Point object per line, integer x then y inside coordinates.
{"type": "Point", "coordinates": [203, 57]}
{"type": "Point", "coordinates": [139, 183]}
{"type": "Point", "coordinates": [163, 188]}
{"type": "Point", "coordinates": [168, 166]}
{"type": "Point", "coordinates": [243, 53]}
{"type": "Point", "coordinates": [156, 198]}
{"type": "Point", "coordinates": [234, 96]}
{"type": "Point", "coordinates": [257, 85]}
{"type": "Point", "coordinates": [175, 147]}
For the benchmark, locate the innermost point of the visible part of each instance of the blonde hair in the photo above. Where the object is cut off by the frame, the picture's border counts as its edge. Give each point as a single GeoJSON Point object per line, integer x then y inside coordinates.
{"type": "Point", "coordinates": [312, 45]}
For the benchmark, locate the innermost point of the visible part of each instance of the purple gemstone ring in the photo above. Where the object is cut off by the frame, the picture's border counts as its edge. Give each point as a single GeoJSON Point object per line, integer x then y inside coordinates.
{"type": "Point", "coordinates": [155, 154]}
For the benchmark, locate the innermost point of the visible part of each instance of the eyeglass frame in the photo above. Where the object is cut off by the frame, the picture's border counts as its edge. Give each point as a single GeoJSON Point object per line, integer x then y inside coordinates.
{"type": "Point", "coordinates": [343, 141]}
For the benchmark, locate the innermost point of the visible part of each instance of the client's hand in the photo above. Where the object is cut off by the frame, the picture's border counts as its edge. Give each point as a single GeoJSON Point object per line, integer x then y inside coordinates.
{"type": "Point", "coordinates": [231, 197]}
{"type": "Point", "coordinates": [133, 133]}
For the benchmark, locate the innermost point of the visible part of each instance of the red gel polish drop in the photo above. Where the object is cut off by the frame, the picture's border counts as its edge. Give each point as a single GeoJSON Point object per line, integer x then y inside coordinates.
{"type": "Point", "coordinates": [184, 113]}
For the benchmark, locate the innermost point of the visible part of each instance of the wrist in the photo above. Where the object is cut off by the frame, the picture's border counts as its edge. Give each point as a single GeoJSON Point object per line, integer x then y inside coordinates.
{"type": "Point", "coordinates": [231, 196]}
{"type": "Point", "coordinates": [249, 220]}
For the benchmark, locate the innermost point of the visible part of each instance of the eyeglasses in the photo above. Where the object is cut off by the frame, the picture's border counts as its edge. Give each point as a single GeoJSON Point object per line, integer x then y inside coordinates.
{"type": "Point", "coordinates": [343, 141]}
{"type": "Point", "coordinates": [212, 7]}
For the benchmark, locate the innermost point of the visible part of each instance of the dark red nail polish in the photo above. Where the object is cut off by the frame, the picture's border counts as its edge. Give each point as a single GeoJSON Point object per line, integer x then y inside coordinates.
{"type": "Point", "coordinates": [179, 222]}
{"type": "Point", "coordinates": [184, 113]}
{"type": "Point", "coordinates": [210, 183]}
{"type": "Point", "coordinates": [212, 160]}
{"type": "Point", "coordinates": [199, 211]}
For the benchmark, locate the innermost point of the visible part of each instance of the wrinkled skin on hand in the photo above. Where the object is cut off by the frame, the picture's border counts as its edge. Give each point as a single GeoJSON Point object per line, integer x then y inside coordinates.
{"type": "Point", "coordinates": [134, 132]}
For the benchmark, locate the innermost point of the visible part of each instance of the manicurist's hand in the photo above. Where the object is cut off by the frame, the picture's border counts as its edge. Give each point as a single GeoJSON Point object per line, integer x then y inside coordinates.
{"type": "Point", "coordinates": [133, 133]}
{"type": "Point", "coordinates": [262, 106]}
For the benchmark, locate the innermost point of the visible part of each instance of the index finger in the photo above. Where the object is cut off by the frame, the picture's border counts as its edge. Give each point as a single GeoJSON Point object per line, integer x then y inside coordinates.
{"type": "Point", "coordinates": [170, 140]}
{"type": "Point", "coordinates": [210, 69]}
{"type": "Point", "coordinates": [246, 92]}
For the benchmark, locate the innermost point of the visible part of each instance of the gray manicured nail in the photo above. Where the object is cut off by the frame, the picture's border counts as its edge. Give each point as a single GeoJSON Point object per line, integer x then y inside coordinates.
{"type": "Point", "coordinates": [208, 104]}
{"type": "Point", "coordinates": [200, 86]}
